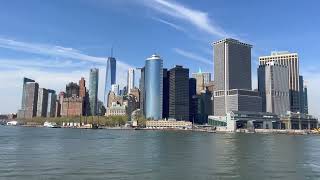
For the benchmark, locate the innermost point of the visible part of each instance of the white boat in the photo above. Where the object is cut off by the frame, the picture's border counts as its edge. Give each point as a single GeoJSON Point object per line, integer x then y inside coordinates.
{"type": "Point", "coordinates": [50, 125]}
{"type": "Point", "coordinates": [12, 123]}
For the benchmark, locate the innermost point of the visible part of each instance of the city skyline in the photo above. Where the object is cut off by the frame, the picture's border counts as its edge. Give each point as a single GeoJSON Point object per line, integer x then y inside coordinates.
{"type": "Point", "coordinates": [45, 58]}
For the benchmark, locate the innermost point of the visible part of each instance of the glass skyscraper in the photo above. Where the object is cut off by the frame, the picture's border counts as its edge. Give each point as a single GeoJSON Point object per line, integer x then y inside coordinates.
{"type": "Point", "coordinates": [111, 72]}
{"type": "Point", "coordinates": [153, 87]}
{"type": "Point", "coordinates": [93, 90]}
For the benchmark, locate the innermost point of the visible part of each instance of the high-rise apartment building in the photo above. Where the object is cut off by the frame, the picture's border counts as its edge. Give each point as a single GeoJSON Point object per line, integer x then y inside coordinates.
{"type": "Point", "coordinates": [291, 60]}
{"type": "Point", "coordinates": [153, 87]}
{"type": "Point", "coordinates": [93, 90]}
{"type": "Point", "coordinates": [232, 78]}
{"type": "Point", "coordinates": [25, 81]}
{"type": "Point", "coordinates": [42, 104]}
{"type": "Point", "coordinates": [273, 87]}
{"type": "Point", "coordinates": [111, 71]}
{"type": "Point", "coordinates": [179, 93]}
{"type": "Point", "coordinates": [130, 79]}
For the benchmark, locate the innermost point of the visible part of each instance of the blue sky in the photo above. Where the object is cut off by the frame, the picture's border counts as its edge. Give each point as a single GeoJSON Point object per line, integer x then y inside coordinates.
{"type": "Point", "coordinates": [56, 42]}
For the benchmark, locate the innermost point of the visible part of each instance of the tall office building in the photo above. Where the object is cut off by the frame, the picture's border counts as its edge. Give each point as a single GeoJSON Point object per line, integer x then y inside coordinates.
{"type": "Point", "coordinates": [179, 93]}
{"type": "Point", "coordinates": [273, 87]}
{"type": "Point", "coordinates": [93, 90]}
{"type": "Point", "coordinates": [291, 60]}
{"type": "Point", "coordinates": [141, 87]}
{"type": "Point", "coordinates": [82, 87]}
{"type": "Point", "coordinates": [305, 96]}
{"type": "Point", "coordinates": [202, 78]}
{"type": "Point", "coordinates": [30, 101]}
{"type": "Point", "coordinates": [25, 81]}
{"type": "Point", "coordinates": [130, 79]}
{"type": "Point", "coordinates": [232, 78]}
{"type": "Point", "coordinates": [153, 87]}
{"type": "Point", "coordinates": [42, 104]}
{"type": "Point", "coordinates": [193, 99]}
{"type": "Point", "coordinates": [51, 107]}
{"type": "Point", "coordinates": [111, 71]}
{"type": "Point", "coordinates": [165, 92]}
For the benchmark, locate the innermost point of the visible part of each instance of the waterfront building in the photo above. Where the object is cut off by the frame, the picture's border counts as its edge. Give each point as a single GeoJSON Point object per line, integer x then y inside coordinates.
{"type": "Point", "coordinates": [232, 78]}
{"type": "Point", "coordinates": [130, 79]}
{"type": "Point", "coordinates": [51, 107]}
{"type": "Point", "coordinates": [30, 100]}
{"type": "Point", "coordinates": [115, 89]}
{"type": "Point", "coordinates": [153, 87]}
{"type": "Point", "coordinates": [273, 87]}
{"type": "Point", "coordinates": [202, 79]}
{"type": "Point", "coordinates": [246, 120]}
{"type": "Point", "coordinates": [179, 93]}
{"type": "Point", "coordinates": [42, 104]}
{"type": "Point", "coordinates": [299, 121]}
{"type": "Point", "coordinates": [72, 107]}
{"type": "Point", "coordinates": [93, 90]}
{"type": "Point", "coordinates": [111, 71]}
{"type": "Point", "coordinates": [165, 92]}
{"type": "Point", "coordinates": [116, 110]}
{"type": "Point", "coordinates": [113, 98]}
{"type": "Point", "coordinates": [291, 60]}
{"type": "Point", "coordinates": [168, 124]}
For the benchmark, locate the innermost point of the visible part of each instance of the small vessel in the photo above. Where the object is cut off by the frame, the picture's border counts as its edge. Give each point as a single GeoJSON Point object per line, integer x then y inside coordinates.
{"type": "Point", "coordinates": [51, 125]}
{"type": "Point", "coordinates": [12, 123]}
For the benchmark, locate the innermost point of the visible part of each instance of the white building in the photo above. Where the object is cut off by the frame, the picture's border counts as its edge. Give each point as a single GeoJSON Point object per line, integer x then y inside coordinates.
{"type": "Point", "coordinates": [168, 124]}
{"type": "Point", "coordinates": [115, 89]}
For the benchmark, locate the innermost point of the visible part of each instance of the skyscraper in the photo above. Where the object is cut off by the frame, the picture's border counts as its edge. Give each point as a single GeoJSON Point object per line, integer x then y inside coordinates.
{"type": "Point", "coordinates": [111, 71]}
{"type": "Point", "coordinates": [273, 87]}
{"type": "Point", "coordinates": [232, 78]}
{"type": "Point", "coordinates": [291, 60]}
{"type": "Point", "coordinates": [193, 99]}
{"type": "Point", "coordinates": [51, 107]}
{"type": "Point", "coordinates": [142, 90]}
{"type": "Point", "coordinates": [130, 79]}
{"type": "Point", "coordinates": [165, 92]}
{"type": "Point", "coordinates": [25, 81]}
{"type": "Point", "coordinates": [93, 90]}
{"type": "Point", "coordinates": [179, 93]}
{"type": "Point", "coordinates": [305, 96]}
{"type": "Point", "coordinates": [82, 87]}
{"type": "Point", "coordinates": [31, 100]}
{"type": "Point", "coordinates": [42, 104]}
{"type": "Point", "coordinates": [153, 87]}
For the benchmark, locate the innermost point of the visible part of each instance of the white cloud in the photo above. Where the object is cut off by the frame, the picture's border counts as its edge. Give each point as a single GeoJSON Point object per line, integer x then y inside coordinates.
{"type": "Point", "coordinates": [192, 56]}
{"type": "Point", "coordinates": [197, 18]}
{"type": "Point", "coordinates": [179, 28]}
{"type": "Point", "coordinates": [70, 65]}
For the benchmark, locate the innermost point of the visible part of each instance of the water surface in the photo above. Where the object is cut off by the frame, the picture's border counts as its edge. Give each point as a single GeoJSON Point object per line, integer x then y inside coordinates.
{"type": "Point", "coordinates": [42, 153]}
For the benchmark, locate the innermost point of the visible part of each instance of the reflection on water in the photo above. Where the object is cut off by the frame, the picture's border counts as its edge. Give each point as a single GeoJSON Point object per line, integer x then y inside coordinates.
{"type": "Point", "coordinates": [40, 153]}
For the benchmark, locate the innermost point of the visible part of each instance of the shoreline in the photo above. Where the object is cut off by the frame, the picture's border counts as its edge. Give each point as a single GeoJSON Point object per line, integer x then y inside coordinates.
{"type": "Point", "coordinates": [242, 131]}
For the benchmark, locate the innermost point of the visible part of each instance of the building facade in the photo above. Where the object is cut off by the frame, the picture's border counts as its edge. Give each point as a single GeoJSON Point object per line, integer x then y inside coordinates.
{"type": "Point", "coordinates": [130, 79]}
{"type": "Point", "coordinates": [179, 93]}
{"type": "Point", "coordinates": [31, 90]}
{"type": "Point", "coordinates": [51, 108]}
{"type": "Point", "coordinates": [115, 88]}
{"type": "Point", "coordinates": [42, 104]}
{"type": "Point", "coordinates": [273, 86]}
{"type": "Point", "coordinates": [153, 87]}
{"type": "Point", "coordinates": [291, 60]}
{"type": "Point", "coordinates": [72, 107]}
{"type": "Point", "coordinates": [93, 90]}
{"type": "Point", "coordinates": [202, 79]}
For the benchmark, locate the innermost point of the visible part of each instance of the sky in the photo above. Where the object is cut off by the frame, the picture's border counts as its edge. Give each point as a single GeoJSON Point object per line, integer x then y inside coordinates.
{"type": "Point", "coordinates": [56, 42]}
